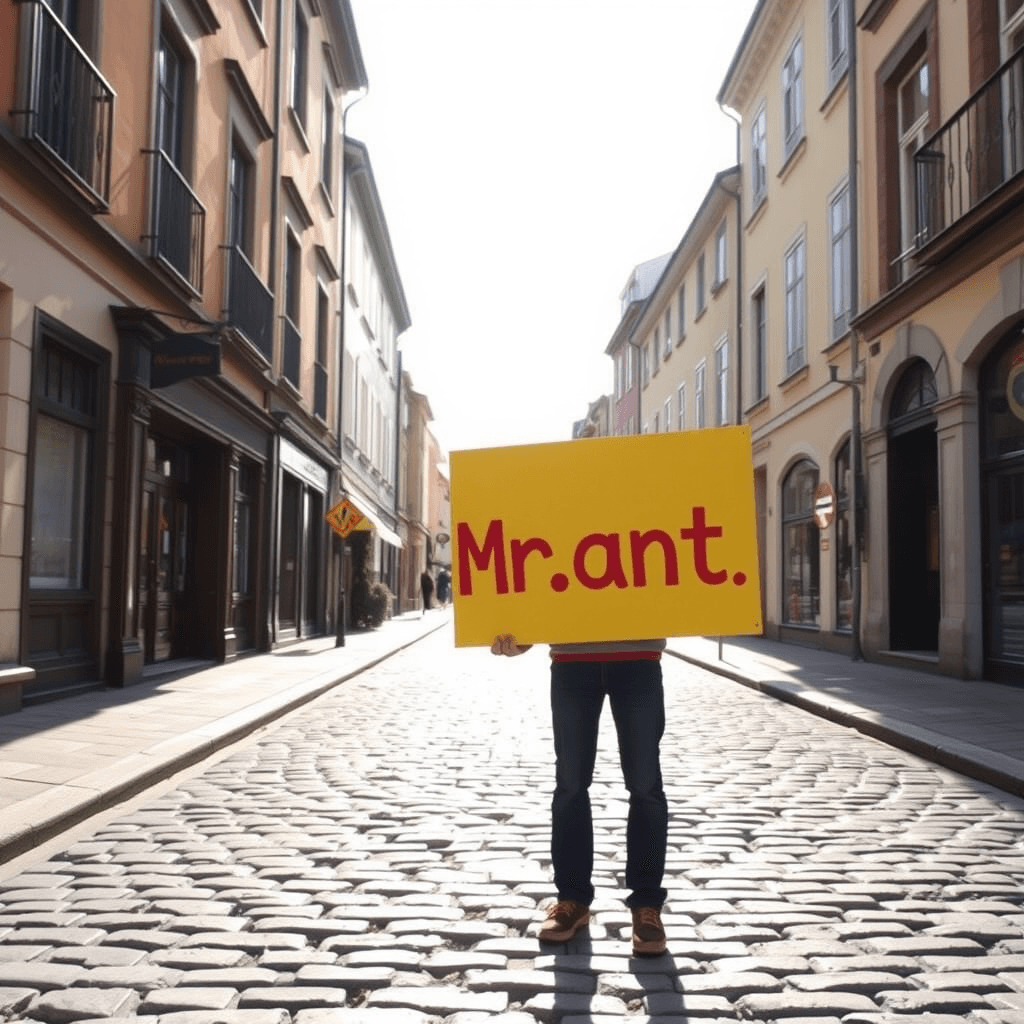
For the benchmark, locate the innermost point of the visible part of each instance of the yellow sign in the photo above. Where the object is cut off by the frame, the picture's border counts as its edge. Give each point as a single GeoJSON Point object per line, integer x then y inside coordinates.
{"type": "Point", "coordinates": [345, 517]}
{"type": "Point", "coordinates": [610, 538]}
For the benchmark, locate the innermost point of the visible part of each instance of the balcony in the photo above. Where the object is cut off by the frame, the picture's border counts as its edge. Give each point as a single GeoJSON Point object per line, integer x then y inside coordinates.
{"type": "Point", "coordinates": [177, 222]}
{"type": "Point", "coordinates": [971, 171]}
{"type": "Point", "coordinates": [291, 361]}
{"type": "Point", "coordinates": [250, 303]}
{"type": "Point", "coordinates": [67, 107]}
{"type": "Point", "coordinates": [320, 391]}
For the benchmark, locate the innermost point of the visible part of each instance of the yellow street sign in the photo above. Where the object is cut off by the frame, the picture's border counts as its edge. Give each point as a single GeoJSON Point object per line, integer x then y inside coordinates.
{"type": "Point", "coordinates": [345, 517]}
{"type": "Point", "coordinates": [611, 538]}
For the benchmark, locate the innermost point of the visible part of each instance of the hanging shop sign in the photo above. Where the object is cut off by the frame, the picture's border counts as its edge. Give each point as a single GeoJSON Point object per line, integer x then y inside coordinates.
{"type": "Point", "coordinates": [180, 356]}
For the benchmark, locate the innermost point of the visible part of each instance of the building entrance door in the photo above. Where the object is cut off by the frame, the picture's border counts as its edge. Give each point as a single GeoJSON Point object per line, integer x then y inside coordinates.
{"type": "Point", "coordinates": [165, 563]}
{"type": "Point", "coordinates": [914, 535]}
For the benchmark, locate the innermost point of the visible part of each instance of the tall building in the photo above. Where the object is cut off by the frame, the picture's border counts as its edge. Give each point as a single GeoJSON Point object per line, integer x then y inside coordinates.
{"type": "Point", "coordinates": [170, 253]}
{"type": "Point", "coordinates": [941, 145]}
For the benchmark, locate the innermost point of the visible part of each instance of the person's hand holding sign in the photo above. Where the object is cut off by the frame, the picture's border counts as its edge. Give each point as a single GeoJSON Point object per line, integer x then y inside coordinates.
{"type": "Point", "coordinates": [505, 644]}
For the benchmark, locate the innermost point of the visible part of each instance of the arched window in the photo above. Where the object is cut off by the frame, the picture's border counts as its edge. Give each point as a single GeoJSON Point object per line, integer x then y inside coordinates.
{"type": "Point", "coordinates": [914, 395]}
{"type": "Point", "coordinates": [843, 540]}
{"type": "Point", "coordinates": [800, 604]}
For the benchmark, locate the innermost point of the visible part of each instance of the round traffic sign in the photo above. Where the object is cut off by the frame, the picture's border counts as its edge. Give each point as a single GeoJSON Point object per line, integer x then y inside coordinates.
{"type": "Point", "coordinates": [824, 505]}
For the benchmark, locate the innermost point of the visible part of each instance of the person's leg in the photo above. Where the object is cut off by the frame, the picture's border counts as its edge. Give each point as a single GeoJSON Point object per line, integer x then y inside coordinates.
{"type": "Point", "coordinates": [638, 706]}
{"type": "Point", "coordinates": [576, 699]}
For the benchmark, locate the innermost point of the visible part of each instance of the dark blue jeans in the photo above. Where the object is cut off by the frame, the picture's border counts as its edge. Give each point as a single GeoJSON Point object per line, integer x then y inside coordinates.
{"type": "Point", "coordinates": [634, 691]}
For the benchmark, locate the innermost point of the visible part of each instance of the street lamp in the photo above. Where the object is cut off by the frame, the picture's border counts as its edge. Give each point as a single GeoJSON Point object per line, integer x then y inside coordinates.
{"type": "Point", "coordinates": [854, 384]}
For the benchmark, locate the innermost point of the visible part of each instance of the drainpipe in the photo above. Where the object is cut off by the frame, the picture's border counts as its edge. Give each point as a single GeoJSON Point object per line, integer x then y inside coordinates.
{"type": "Point", "coordinates": [856, 653]}
{"type": "Point", "coordinates": [737, 196]}
{"type": "Point", "coordinates": [339, 612]}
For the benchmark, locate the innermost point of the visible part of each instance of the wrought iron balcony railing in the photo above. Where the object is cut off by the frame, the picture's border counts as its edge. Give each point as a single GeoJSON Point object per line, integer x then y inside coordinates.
{"type": "Point", "coordinates": [250, 303]}
{"type": "Point", "coordinates": [974, 154]}
{"type": "Point", "coordinates": [177, 221]}
{"type": "Point", "coordinates": [67, 107]}
{"type": "Point", "coordinates": [320, 391]}
{"type": "Point", "coordinates": [291, 362]}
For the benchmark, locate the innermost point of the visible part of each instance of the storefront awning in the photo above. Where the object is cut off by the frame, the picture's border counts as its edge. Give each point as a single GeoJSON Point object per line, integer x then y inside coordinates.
{"type": "Point", "coordinates": [385, 533]}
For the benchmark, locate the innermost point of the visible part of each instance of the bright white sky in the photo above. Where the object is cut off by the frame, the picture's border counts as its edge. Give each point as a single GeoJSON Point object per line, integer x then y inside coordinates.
{"type": "Point", "coordinates": [528, 154]}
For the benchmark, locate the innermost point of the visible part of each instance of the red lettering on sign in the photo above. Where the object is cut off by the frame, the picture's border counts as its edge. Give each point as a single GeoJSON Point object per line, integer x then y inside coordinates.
{"type": "Point", "coordinates": [699, 534]}
{"type": "Point", "coordinates": [638, 545]}
{"type": "Point", "coordinates": [520, 549]}
{"type": "Point", "coordinates": [493, 549]}
{"type": "Point", "coordinates": [613, 571]}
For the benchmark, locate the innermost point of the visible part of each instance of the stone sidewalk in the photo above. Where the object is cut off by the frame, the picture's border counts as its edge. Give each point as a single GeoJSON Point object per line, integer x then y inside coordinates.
{"type": "Point", "coordinates": [63, 761]}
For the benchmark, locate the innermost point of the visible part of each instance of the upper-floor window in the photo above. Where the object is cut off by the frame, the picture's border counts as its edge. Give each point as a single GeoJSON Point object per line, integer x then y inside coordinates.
{"type": "Point", "coordinates": [759, 326]}
{"type": "Point", "coordinates": [240, 199]}
{"type": "Point", "coordinates": [681, 406]}
{"type": "Point", "coordinates": [645, 366]}
{"type": "Point", "coordinates": [327, 153]}
{"type": "Point", "coordinates": [170, 107]}
{"type": "Point", "coordinates": [913, 105]}
{"type": "Point", "coordinates": [300, 45]}
{"type": "Point", "coordinates": [656, 350]}
{"type": "Point", "coordinates": [667, 417]}
{"type": "Point", "coordinates": [699, 375]}
{"type": "Point", "coordinates": [292, 278]}
{"type": "Point", "coordinates": [796, 306]}
{"type": "Point", "coordinates": [793, 96]}
{"type": "Point", "coordinates": [721, 256]}
{"type": "Point", "coordinates": [668, 330]}
{"type": "Point", "coordinates": [701, 298]}
{"type": "Point", "coordinates": [722, 383]}
{"type": "Point", "coordinates": [654, 424]}
{"type": "Point", "coordinates": [759, 156]}
{"type": "Point", "coordinates": [839, 242]}
{"type": "Point", "coordinates": [838, 48]}
{"type": "Point", "coordinates": [1011, 18]}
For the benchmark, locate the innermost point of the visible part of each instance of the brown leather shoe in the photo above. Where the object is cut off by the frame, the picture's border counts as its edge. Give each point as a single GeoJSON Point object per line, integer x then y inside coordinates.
{"type": "Point", "coordinates": [564, 919]}
{"type": "Point", "coordinates": [648, 932]}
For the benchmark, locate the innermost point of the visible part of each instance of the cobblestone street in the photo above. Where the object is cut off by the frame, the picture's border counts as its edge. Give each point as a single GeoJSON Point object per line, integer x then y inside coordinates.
{"type": "Point", "coordinates": [381, 856]}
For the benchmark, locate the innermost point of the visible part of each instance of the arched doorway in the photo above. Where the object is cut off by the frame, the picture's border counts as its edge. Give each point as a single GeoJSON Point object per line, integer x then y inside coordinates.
{"type": "Point", "coordinates": [1001, 403]}
{"type": "Point", "coordinates": [914, 548]}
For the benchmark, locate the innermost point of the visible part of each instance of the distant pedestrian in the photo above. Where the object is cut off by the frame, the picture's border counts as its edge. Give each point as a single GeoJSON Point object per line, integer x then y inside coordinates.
{"type": "Point", "coordinates": [444, 587]}
{"type": "Point", "coordinates": [427, 587]}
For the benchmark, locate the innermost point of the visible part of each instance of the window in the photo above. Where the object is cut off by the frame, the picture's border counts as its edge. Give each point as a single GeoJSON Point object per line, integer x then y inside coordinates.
{"type": "Point", "coordinates": [759, 156]}
{"type": "Point", "coordinates": [323, 324]}
{"type": "Point", "coordinates": [722, 384]}
{"type": "Point", "coordinates": [800, 543]}
{"type": "Point", "coordinates": [701, 303]}
{"type": "Point", "coordinates": [759, 325]}
{"type": "Point", "coordinates": [681, 406]}
{"type": "Point", "coordinates": [838, 51]}
{"type": "Point", "coordinates": [645, 366]}
{"type": "Point", "coordinates": [300, 43]}
{"type": "Point", "coordinates": [844, 548]}
{"type": "Point", "coordinates": [912, 99]}
{"type": "Point", "coordinates": [654, 427]}
{"type": "Point", "coordinates": [793, 96]}
{"type": "Point", "coordinates": [668, 330]}
{"type": "Point", "coordinates": [65, 428]}
{"type": "Point", "coordinates": [656, 350]}
{"type": "Point", "coordinates": [839, 241]}
{"type": "Point", "coordinates": [698, 394]}
{"type": "Point", "coordinates": [327, 154]}
{"type": "Point", "coordinates": [292, 278]}
{"type": "Point", "coordinates": [681, 315]}
{"type": "Point", "coordinates": [240, 200]}
{"type": "Point", "coordinates": [170, 101]}
{"type": "Point", "coordinates": [721, 268]}
{"type": "Point", "coordinates": [667, 413]}
{"type": "Point", "coordinates": [796, 304]}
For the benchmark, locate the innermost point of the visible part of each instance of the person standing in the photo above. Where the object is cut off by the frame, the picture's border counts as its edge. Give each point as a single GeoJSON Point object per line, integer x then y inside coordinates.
{"type": "Point", "coordinates": [444, 586]}
{"type": "Point", "coordinates": [629, 674]}
{"type": "Point", "coordinates": [426, 588]}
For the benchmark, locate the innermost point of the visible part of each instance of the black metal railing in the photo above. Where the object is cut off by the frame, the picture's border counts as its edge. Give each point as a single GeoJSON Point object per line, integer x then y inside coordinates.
{"type": "Point", "coordinates": [68, 106]}
{"type": "Point", "coordinates": [320, 391]}
{"type": "Point", "coordinates": [977, 151]}
{"type": "Point", "coordinates": [250, 303]}
{"type": "Point", "coordinates": [291, 361]}
{"type": "Point", "coordinates": [177, 221]}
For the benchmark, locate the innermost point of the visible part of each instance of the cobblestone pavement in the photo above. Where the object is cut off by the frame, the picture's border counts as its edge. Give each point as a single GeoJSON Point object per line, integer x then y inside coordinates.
{"type": "Point", "coordinates": [380, 858]}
